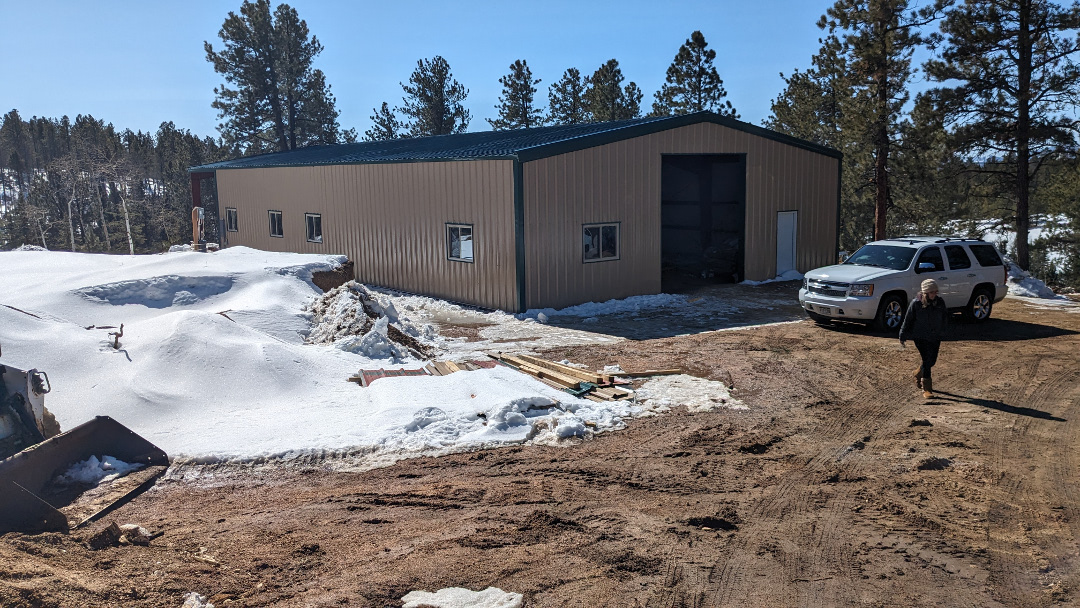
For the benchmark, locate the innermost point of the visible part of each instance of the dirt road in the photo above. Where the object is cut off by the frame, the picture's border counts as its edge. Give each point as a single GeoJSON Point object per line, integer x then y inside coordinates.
{"type": "Point", "coordinates": [837, 487]}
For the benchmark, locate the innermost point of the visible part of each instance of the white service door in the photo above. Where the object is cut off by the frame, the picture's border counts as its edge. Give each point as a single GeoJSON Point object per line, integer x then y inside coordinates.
{"type": "Point", "coordinates": [786, 222]}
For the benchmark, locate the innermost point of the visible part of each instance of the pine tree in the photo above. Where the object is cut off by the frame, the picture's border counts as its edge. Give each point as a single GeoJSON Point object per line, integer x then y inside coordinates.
{"type": "Point", "coordinates": [433, 100]}
{"type": "Point", "coordinates": [820, 105]}
{"type": "Point", "coordinates": [879, 37]}
{"type": "Point", "coordinates": [517, 109]}
{"type": "Point", "coordinates": [273, 98]}
{"type": "Point", "coordinates": [1017, 85]}
{"type": "Point", "coordinates": [386, 125]}
{"type": "Point", "coordinates": [606, 99]}
{"type": "Point", "coordinates": [566, 100]}
{"type": "Point", "coordinates": [693, 84]}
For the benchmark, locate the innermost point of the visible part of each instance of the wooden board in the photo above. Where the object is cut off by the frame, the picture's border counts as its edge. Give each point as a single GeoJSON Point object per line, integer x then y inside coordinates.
{"type": "Point", "coordinates": [566, 370]}
{"type": "Point", "coordinates": [654, 372]}
{"type": "Point", "coordinates": [541, 372]}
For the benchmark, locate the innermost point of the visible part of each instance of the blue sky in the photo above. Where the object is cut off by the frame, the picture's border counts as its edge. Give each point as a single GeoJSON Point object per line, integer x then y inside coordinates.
{"type": "Point", "coordinates": [139, 63]}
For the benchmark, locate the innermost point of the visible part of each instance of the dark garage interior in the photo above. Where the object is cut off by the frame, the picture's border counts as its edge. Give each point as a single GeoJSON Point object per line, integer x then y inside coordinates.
{"type": "Point", "coordinates": [702, 211]}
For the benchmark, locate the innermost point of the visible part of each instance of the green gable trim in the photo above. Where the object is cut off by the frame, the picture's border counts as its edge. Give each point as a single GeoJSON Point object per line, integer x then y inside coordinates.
{"type": "Point", "coordinates": [673, 122]}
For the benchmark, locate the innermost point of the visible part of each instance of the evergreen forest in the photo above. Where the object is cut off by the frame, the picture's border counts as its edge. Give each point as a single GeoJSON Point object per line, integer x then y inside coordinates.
{"type": "Point", "coordinates": [989, 146]}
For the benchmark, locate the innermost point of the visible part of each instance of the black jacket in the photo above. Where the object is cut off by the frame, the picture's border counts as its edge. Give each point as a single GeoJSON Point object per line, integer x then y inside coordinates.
{"type": "Point", "coordinates": [925, 322]}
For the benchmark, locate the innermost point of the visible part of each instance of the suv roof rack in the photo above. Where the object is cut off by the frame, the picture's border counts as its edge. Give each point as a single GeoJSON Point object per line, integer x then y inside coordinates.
{"type": "Point", "coordinates": [913, 238]}
{"type": "Point", "coordinates": [957, 238]}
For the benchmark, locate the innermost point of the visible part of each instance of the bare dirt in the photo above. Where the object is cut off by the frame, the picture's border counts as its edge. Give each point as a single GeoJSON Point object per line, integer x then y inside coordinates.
{"type": "Point", "coordinates": [838, 486]}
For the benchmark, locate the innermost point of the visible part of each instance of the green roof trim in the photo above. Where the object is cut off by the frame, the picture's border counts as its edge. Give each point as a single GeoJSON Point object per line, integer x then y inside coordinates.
{"type": "Point", "coordinates": [522, 145]}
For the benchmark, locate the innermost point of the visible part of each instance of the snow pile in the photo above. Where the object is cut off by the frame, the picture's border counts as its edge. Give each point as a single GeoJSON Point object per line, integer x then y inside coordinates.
{"type": "Point", "coordinates": [30, 248]}
{"type": "Point", "coordinates": [697, 394]}
{"type": "Point", "coordinates": [1021, 283]}
{"type": "Point", "coordinates": [457, 597]}
{"type": "Point", "coordinates": [8, 426]}
{"type": "Point", "coordinates": [194, 600]}
{"type": "Point", "coordinates": [181, 248]}
{"type": "Point", "coordinates": [611, 307]}
{"type": "Point", "coordinates": [364, 322]}
{"type": "Point", "coordinates": [237, 372]}
{"type": "Point", "coordinates": [791, 275]}
{"type": "Point", "coordinates": [93, 471]}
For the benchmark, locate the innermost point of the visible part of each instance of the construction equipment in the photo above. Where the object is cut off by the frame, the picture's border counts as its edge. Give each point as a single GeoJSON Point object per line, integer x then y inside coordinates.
{"type": "Point", "coordinates": [34, 495]}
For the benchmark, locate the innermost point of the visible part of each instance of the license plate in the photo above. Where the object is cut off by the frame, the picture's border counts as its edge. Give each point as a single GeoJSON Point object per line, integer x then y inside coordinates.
{"type": "Point", "coordinates": [825, 310]}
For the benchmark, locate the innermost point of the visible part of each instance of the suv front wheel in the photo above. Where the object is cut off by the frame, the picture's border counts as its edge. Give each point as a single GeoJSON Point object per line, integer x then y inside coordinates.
{"type": "Point", "coordinates": [890, 314]}
{"type": "Point", "coordinates": [980, 306]}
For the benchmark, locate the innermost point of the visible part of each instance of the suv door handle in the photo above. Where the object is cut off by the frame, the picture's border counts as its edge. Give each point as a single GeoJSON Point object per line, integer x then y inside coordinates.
{"type": "Point", "coordinates": [942, 278]}
{"type": "Point", "coordinates": [971, 274]}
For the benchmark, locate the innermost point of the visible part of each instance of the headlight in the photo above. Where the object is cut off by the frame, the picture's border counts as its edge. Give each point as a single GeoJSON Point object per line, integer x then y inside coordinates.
{"type": "Point", "coordinates": [861, 289]}
{"type": "Point", "coordinates": [805, 281]}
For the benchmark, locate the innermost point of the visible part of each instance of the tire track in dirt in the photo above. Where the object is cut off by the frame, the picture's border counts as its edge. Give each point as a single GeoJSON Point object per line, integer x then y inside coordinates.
{"type": "Point", "coordinates": [1019, 549]}
{"type": "Point", "coordinates": [820, 568]}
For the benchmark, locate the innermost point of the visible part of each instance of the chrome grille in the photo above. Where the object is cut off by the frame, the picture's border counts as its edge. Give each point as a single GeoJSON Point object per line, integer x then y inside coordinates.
{"type": "Point", "coordinates": [827, 288]}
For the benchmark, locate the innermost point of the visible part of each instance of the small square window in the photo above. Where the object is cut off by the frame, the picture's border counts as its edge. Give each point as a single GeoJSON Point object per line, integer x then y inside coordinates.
{"type": "Point", "coordinates": [600, 242]}
{"type": "Point", "coordinates": [275, 224]}
{"type": "Point", "coordinates": [314, 227]}
{"type": "Point", "coordinates": [231, 223]}
{"type": "Point", "coordinates": [459, 242]}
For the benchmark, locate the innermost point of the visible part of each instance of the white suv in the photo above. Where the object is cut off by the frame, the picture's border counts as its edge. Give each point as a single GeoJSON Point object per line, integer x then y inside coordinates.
{"type": "Point", "coordinates": [875, 284]}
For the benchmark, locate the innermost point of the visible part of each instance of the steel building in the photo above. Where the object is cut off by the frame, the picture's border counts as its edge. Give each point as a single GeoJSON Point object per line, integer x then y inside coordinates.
{"type": "Point", "coordinates": [546, 217]}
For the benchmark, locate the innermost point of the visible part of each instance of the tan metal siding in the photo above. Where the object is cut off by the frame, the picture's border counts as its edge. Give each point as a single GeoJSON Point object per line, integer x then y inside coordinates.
{"type": "Point", "coordinates": [620, 182]}
{"type": "Point", "coordinates": [390, 220]}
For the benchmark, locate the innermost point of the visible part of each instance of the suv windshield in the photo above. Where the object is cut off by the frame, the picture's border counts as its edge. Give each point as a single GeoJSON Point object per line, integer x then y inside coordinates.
{"type": "Point", "coordinates": [883, 256]}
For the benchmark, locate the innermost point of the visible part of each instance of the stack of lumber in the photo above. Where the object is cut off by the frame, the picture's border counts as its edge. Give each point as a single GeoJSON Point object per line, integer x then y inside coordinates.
{"type": "Point", "coordinates": [444, 368]}
{"type": "Point", "coordinates": [579, 382]}
{"type": "Point", "coordinates": [365, 377]}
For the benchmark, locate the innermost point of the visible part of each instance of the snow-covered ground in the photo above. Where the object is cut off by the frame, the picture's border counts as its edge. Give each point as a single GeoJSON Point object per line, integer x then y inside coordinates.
{"type": "Point", "coordinates": [1003, 236]}
{"type": "Point", "coordinates": [213, 363]}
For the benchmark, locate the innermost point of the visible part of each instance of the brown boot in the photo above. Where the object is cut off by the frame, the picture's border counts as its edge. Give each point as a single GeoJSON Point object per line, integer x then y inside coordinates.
{"type": "Point", "coordinates": [928, 388]}
{"type": "Point", "coordinates": [918, 376]}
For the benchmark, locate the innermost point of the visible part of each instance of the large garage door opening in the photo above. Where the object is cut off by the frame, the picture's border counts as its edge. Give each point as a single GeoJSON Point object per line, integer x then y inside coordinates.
{"type": "Point", "coordinates": [702, 219]}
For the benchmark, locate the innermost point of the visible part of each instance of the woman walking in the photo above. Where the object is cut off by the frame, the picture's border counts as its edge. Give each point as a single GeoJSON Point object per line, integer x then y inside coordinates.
{"type": "Point", "coordinates": [926, 322]}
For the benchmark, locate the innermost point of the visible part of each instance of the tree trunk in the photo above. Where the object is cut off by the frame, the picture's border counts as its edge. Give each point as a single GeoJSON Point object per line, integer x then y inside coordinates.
{"type": "Point", "coordinates": [881, 138]}
{"type": "Point", "coordinates": [1023, 135]}
{"type": "Point", "coordinates": [71, 217]}
{"type": "Point", "coordinates": [104, 224]}
{"type": "Point", "coordinates": [127, 223]}
{"type": "Point", "coordinates": [41, 229]}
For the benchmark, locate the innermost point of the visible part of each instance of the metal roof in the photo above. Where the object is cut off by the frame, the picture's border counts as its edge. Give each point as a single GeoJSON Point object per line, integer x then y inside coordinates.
{"type": "Point", "coordinates": [521, 144]}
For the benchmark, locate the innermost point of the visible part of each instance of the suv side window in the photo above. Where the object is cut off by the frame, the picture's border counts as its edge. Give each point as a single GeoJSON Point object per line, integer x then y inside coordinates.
{"type": "Point", "coordinates": [930, 255]}
{"type": "Point", "coordinates": [958, 258]}
{"type": "Point", "coordinates": [986, 254]}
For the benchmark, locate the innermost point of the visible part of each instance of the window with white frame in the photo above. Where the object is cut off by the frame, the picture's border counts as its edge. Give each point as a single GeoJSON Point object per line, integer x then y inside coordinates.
{"type": "Point", "coordinates": [600, 242]}
{"type": "Point", "coordinates": [459, 242]}
{"type": "Point", "coordinates": [314, 227]}
{"type": "Point", "coordinates": [275, 224]}
{"type": "Point", "coordinates": [231, 223]}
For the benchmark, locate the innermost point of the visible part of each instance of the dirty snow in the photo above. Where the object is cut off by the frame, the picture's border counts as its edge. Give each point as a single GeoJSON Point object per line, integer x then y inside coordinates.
{"type": "Point", "coordinates": [593, 309]}
{"type": "Point", "coordinates": [7, 425]}
{"type": "Point", "coordinates": [1021, 283]}
{"type": "Point", "coordinates": [697, 394]}
{"type": "Point", "coordinates": [457, 597]}
{"type": "Point", "coordinates": [791, 275]}
{"type": "Point", "coordinates": [194, 600]}
{"type": "Point", "coordinates": [94, 470]}
{"type": "Point", "coordinates": [215, 363]}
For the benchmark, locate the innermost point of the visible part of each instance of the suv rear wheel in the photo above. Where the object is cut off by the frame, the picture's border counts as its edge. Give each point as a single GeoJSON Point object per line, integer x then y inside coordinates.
{"type": "Point", "coordinates": [890, 313]}
{"type": "Point", "coordinates": [980, 306]}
